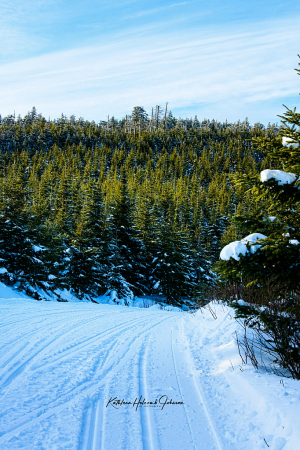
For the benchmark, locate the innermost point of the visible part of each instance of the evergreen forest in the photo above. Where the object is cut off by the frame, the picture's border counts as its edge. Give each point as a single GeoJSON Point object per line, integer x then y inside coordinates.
{"type": "Point", "coordinates": [135, 207]}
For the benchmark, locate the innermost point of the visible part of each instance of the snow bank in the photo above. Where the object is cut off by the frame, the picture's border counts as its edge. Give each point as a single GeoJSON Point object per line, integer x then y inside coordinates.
{"type": "Point", "coordinates": [278, 175]}
{"type": "Point", "coordinates": [255, 409]}
{"type": "Point", "coordinates": [288, 142]}
{"type": "Point", "coordinates": [237, 248]}
{"type": "Point", "coordinates": [8, 292]}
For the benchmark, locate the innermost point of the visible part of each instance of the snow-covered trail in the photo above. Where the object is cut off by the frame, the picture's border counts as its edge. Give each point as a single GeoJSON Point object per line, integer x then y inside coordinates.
{"type": "Point", "coordinates": [66, 367]}
{"type": "Point", "coordinates": [61, 364]}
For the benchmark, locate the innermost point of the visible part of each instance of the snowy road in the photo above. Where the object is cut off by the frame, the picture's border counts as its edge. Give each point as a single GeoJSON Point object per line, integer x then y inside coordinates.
{"type": "Point", "coordinates": [67, 371]}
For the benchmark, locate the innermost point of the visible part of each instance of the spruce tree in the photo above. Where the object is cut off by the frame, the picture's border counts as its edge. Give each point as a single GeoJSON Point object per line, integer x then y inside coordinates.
{"type": "Point", "coordinates": [266, 274]}
{"type": "Point", "coordinates": [122, 278]}
{"type": "Point", "coordinates": [22, 265]}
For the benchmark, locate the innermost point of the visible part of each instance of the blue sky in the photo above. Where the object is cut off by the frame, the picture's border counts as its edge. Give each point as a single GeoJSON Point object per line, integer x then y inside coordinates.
{"type": "Point", "coordinates": [216, 59]}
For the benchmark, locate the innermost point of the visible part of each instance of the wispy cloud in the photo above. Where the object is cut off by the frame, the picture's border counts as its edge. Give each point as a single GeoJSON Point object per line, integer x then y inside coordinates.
{"type": "Point", "coordinates": [227, 71]}
{"type": "Point", "coordinates": [17, 27]}
{"type": "Point", "coordinates": [147, 12]}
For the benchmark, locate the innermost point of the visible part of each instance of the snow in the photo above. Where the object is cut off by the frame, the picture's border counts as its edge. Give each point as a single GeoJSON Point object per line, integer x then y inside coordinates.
{"type": "Point", "coordinates": [291, 241]}
{"type": "Point", "coordinates": [156, 307]}
{"type": "Point", "coordinates": [66, 296]}
{"type": "Point", "coordinates": [7, 292]}
{"type": "Point", "coordinates": [51, 277]}
{"type": "Point", "coordinates": [288, 142]}
{"type": "Point", "coordinates": [37, 248]}
{"type": "Point", "coordinates": [156, 286]}
{"type": "Point", "coordinates": [63, 365]}
{"type": "Point", "coordinates": [237, 248]}
{"type": "Point", "coordinates": [278, 175]}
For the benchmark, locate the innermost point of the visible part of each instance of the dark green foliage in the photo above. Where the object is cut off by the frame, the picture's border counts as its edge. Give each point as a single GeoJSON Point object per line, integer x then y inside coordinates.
{"type": "Point", "coordinates": [123, 255]}
{"type": "Point", "coordinates": [130, 207]}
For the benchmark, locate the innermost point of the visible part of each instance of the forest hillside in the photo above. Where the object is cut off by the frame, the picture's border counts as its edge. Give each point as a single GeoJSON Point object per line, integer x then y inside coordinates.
{"type": "Point", "coordinates": [131, 207]}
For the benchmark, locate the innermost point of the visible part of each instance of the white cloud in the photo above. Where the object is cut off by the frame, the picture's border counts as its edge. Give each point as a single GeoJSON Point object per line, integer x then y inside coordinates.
{"type": "Point", "coordinates": [17, 35]}
{"type": "Point", "coordinates": [147, 12]}
{"type": "Point", "coordinates": [202, 68]}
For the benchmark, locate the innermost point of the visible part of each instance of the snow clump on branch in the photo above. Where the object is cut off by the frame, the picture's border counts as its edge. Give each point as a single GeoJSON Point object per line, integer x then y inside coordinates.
{"type": "Point", "coordinates": [237, 248]}
{"type": "Point", "coordinates": [288, 142]}
{"type": "Point", "coordinates": [278, 175]}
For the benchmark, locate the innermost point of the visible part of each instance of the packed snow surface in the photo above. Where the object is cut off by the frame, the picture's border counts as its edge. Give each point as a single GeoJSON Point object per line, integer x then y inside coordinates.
{"type": "Point", "coordinates": [237, 248]}
{"type": "Point", "coordinates": [71, 373]}
{"type": "Point", "coordinates": [278, 175]}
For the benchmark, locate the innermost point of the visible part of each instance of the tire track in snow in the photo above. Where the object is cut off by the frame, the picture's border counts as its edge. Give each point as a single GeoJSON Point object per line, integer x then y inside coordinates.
{"type": "Point", "coordinates": [149, 435]}
{"type": "Point", "coordinates": [92, 440]}
{"type": "Point", "coordinates": [14, 323]}
{"type": "Point", "coordinates": [39, 319]}
{"type": "Point", "coordinates": [106, 390]}
{"type": "Point", "coordinates": [93, 437]}
{"type": "Point", "coordinates": [199, 393]}
{"type": "Point", "coordinates": [203, 401]}
{"type": "Point", "coordinates": [20, 330]}
{"type": "Point", "coordinates": [82, 391]}
{"type": "Point", "coordinates": [130, 341]}
{"type": "Point", "coordinates": [181, 393]}
{"type": "Point", "coordinates": [47, 344]}
{"type": "Point", "coordinates": [92, 432]}
{"type": "Point", "coordinates": [14, 355]}
{"type": "Point", "coordinates": [106, 334]}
